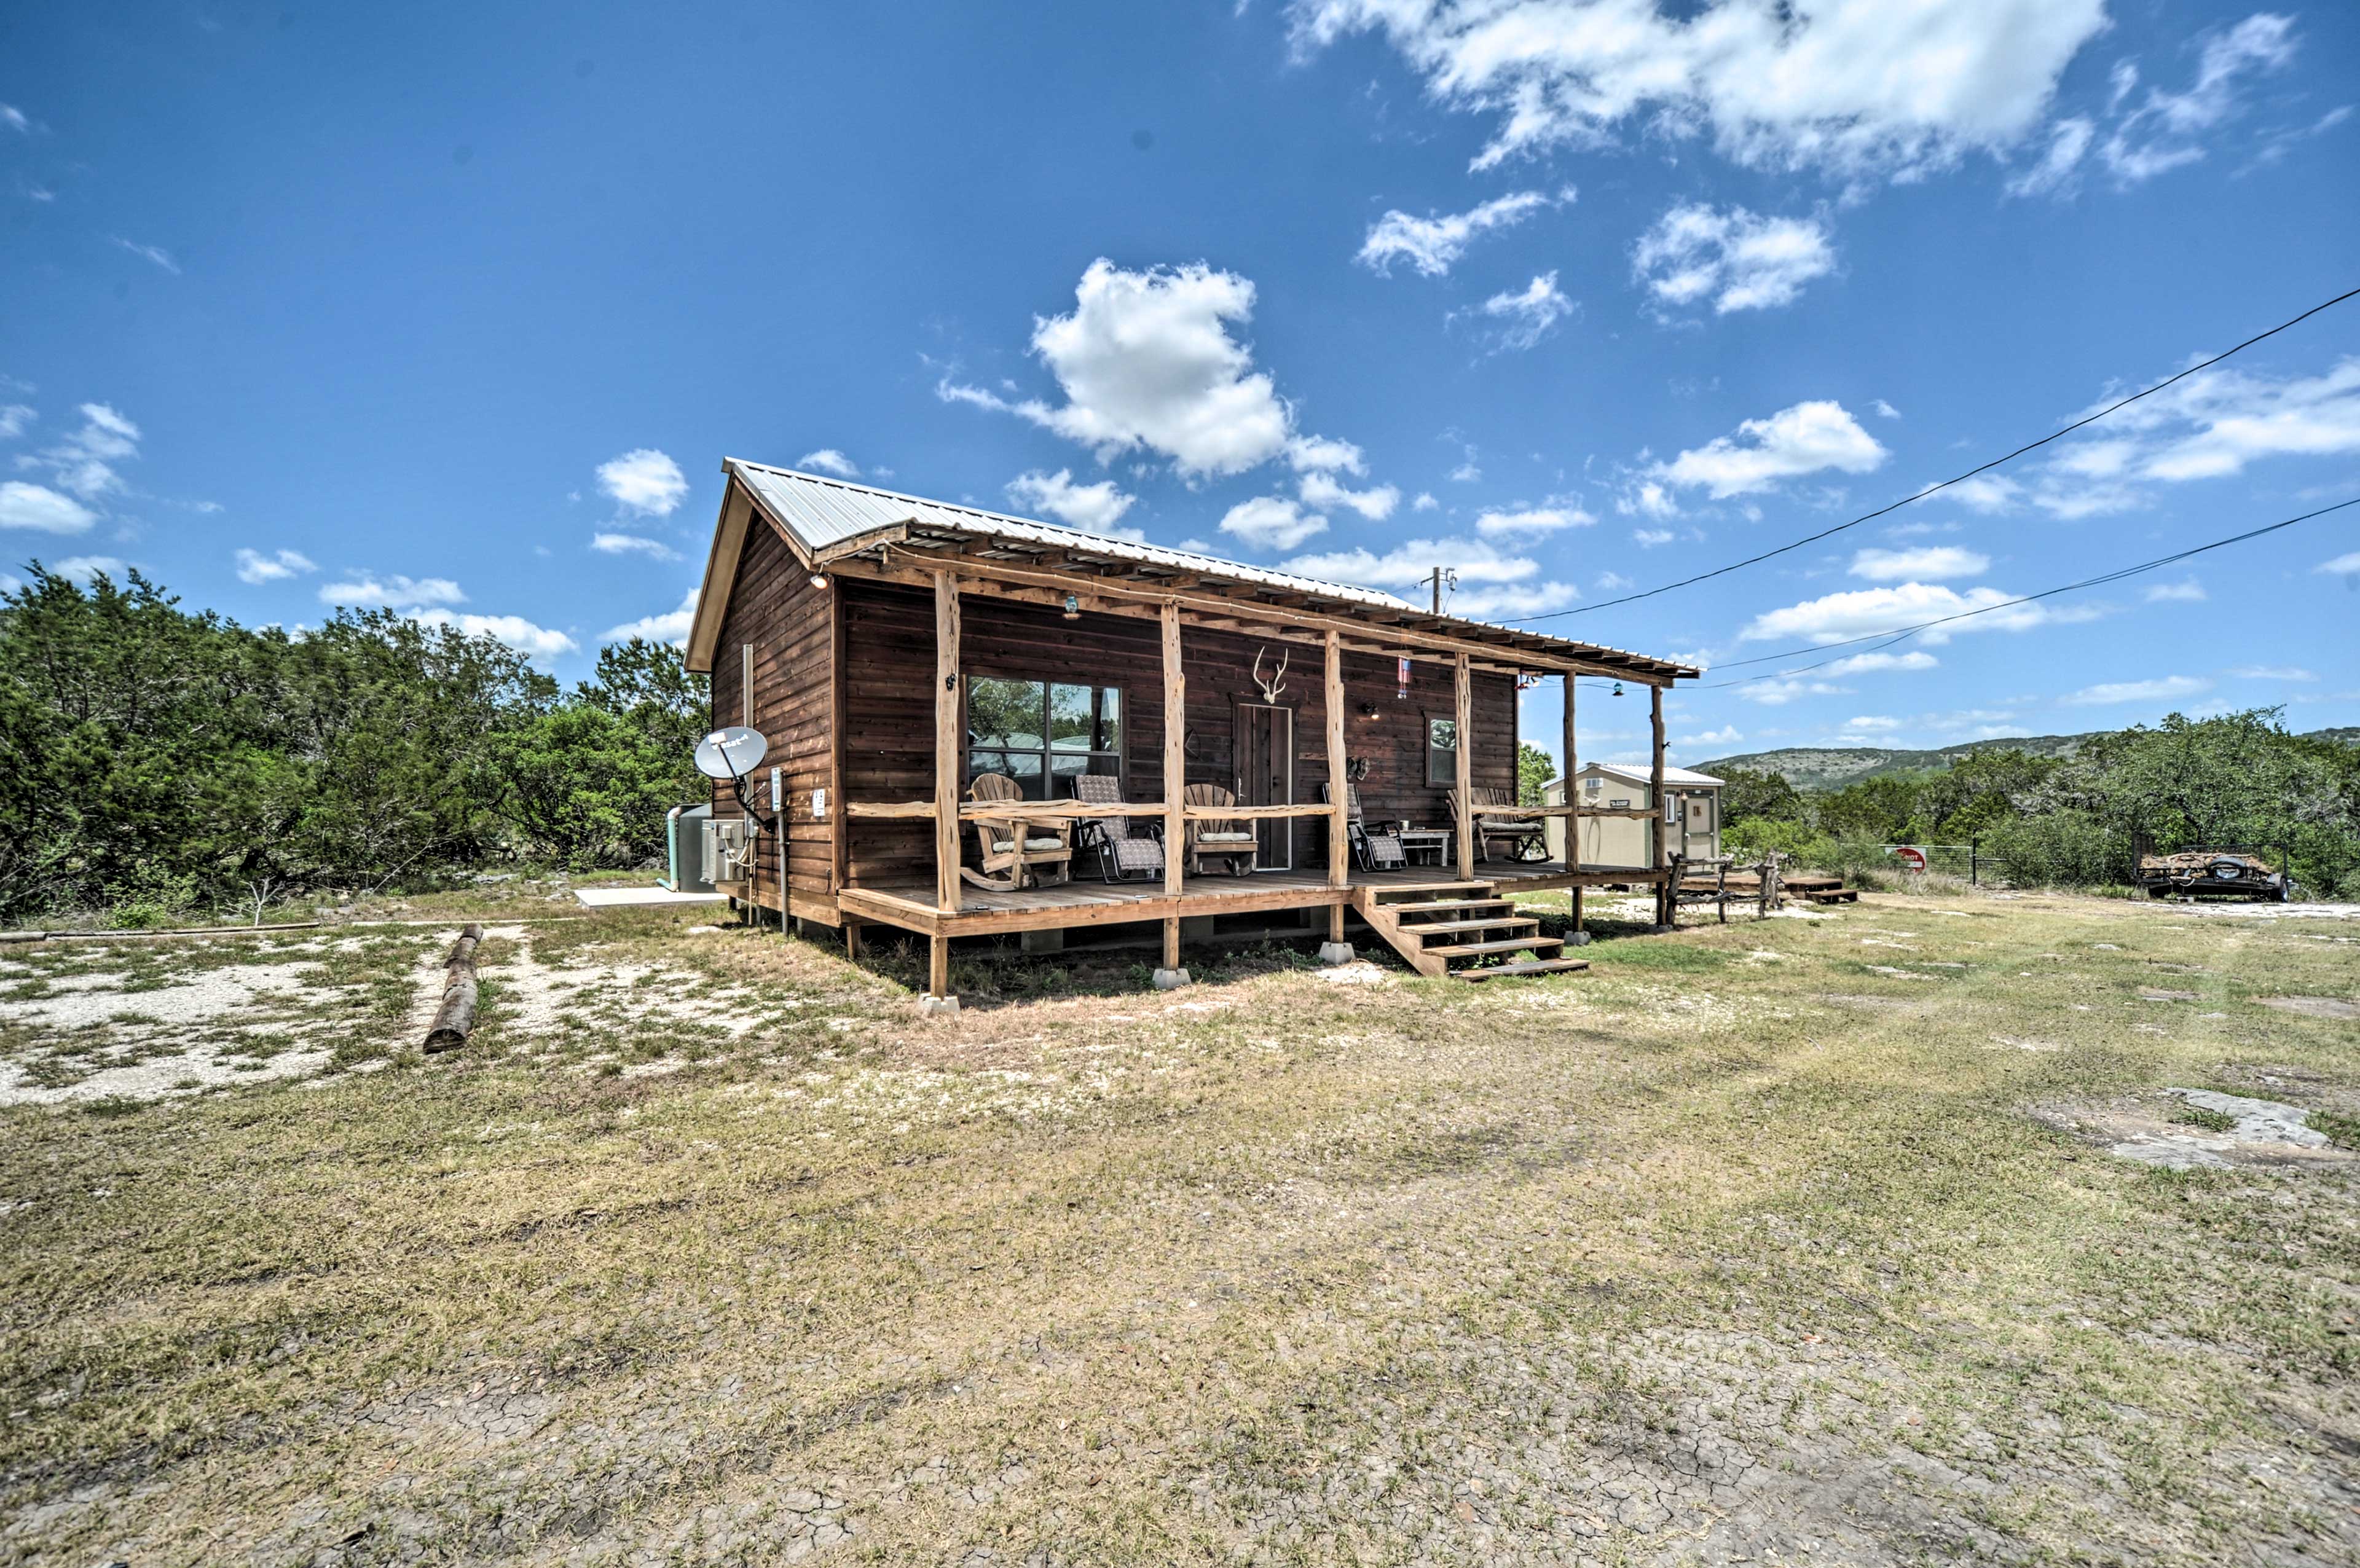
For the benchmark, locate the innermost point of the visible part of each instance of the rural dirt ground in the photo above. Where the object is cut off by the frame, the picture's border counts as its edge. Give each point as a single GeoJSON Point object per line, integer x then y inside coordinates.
{"type": "Point", "coordinates": [1873, 1238]}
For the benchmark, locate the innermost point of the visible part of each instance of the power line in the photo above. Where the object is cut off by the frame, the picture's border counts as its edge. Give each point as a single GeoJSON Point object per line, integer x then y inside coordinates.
{"type": "Point", "coordinates": [1945, 485]}
{"type": "Point", "coordinates": [1896, 634]}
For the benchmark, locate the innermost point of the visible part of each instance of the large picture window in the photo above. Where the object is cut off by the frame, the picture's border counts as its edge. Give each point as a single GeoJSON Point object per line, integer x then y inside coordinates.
{"type": "Point", "coordinates": [1042, 733]}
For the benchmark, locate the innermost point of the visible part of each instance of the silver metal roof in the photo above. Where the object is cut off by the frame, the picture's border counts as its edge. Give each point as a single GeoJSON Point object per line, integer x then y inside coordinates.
{"type": "Point", "coordinates": [827, 515]}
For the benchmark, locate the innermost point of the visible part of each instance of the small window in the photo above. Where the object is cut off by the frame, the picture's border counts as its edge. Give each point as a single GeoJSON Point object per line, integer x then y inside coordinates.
{"type": "Point", "coordinates": [1592, 786]}
{"type": "Point", "coordinates": [1441, 754]}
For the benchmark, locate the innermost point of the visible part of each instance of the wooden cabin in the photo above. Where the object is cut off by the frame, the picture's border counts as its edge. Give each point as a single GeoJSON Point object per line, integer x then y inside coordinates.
{"type": "Point", "coordinates": [895, 649]}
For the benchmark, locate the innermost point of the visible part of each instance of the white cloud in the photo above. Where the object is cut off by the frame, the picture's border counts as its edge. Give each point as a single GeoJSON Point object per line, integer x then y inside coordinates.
{"type": "Point", "coordinates": [1871, 723]}
{"type": "Point", "coordinates": [2272, 672]}
{"type": "Point", "coordinates": [1322, 454]}
{"type": "Point", "coordinates": [1431, 244]}
{"type": "Point", "coordinates": [2341, 566]}
{"type": "Point", "coordinates": [157, 255]}
{"type": "Point", "coordinates": [1375, 504]}
{"type": "Point", "coordinates": [1779, 693]}
{"type": "Point", "coordinates": [1870, 663]}
{"type": "Point", "coordinates": [1465, 473]}
{"type": "Point", "coordinates": [1146, 361]}
{"type": "Point", "coordinates": [2169, 688]}
{"type": "Point", "coordinates": [16, 119]}
{"type": "Point", "coordinates": [1883, 409]}
{"type": "Point", "coordinates": [1739, 261]}
{"type": "Point", "coordinates": [1425, 502]}
{"type": "Point", "coordinates": [1094, 508]}
{"type": "Point", "coordinates": [2188, 590]}
{"type": "Point", "coordinates": [1490, 585]}
{"type": "Point", "coordinates": [1725, 735]}
{"type": "Point", "coordinates": [1521, 320]}
{"type": "Point", "coordinates": [368, 591]}
{"type": "Point", "coordinates": [2210, 426]}
{"type": "Point", "coordinates": [1840, 85]}
{"type": "Point", "coordinates": [827, 459]}
{"type": "Point", "coordinates": [2068, 140]}
{"type": "Point", "coordinates": [1651, 539]}
{"type": "Point", "coordinates": [257, 568]}
{"type": "Point", "coordinates": [1613, 583]}
{"type": "Point", "coordinates": [2163, 133]}
{"type": "Point", "coordinates": [1532, 521]}
{"type": "Point", "coordinates": [608, 543]}
{"type": "Point", "coordinates": [1933, 561]}
{"type": "Point", "coordinates": [85, 460]}
{"type": "Point", "coordinates": [81, 569]}
{"type": "Point", "coordinates": [1272, 522]}
{"type": "Point", "coordinates": [645, 481]}
{"type": "Point", "coordinates": [13, 419]}
{"type": "Point", "coordinates": [1865, 612]}
{"type": "Point", "coordinates": [1804, 439]}
{"type": "Point", "coordinates": [539, 642]}
{"type": "Point", "coordinates": [671, 626]}
{"type": "Point", "coordinates": [24, 506]}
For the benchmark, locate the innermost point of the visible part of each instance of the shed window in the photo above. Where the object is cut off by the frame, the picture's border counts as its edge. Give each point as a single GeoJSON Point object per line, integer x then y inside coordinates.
{"type": "Point", "coordinates": [1441, 754]}
{"type": "Point", "coordinates": [1042, 733]}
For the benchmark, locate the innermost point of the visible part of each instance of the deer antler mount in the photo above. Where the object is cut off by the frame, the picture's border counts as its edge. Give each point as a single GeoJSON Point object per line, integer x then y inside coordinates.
{"type": "Point", "coordinates": [1277, 681]}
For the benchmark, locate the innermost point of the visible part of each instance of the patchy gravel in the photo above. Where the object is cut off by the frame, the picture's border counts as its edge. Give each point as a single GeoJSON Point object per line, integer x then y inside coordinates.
{"type": "Point", "coordinates": [2314, 1006]}
{"type": "Point", "coordinates": [2261, 1134]}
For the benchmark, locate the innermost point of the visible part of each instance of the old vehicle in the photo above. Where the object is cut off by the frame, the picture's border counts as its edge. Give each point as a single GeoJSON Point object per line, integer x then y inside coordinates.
{"type": "Point", "coordinates": [2241, 872]}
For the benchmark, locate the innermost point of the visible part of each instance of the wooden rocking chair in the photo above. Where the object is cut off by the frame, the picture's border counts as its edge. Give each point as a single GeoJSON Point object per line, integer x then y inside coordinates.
{"type": "Point", "coordinates": [1215, 838]}
{"type": "Point", "coordinates": [1016, 851]}
{"type": "Point", "coordinates": [1527, 837]}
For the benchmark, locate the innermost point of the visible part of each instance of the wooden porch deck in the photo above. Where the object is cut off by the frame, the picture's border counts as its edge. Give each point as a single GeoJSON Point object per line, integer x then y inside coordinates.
{"type": "Point", "coordinates": [1089, 901]}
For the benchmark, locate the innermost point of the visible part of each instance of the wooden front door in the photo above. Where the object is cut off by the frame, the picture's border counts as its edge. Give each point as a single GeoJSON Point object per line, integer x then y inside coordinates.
{"type": "Point", "coordinates": [1266, 776]}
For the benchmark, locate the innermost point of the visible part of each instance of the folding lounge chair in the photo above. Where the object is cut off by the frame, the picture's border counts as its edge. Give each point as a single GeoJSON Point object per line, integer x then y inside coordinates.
{"type": "Point", "coordinates": [1379, 851]}
{"type": "Point", "coordinates": [1120, 853]}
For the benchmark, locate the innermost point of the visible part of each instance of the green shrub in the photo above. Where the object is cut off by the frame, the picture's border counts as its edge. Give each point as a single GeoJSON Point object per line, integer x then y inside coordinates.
{"type": "Point", "coordinates": [2063, 849]}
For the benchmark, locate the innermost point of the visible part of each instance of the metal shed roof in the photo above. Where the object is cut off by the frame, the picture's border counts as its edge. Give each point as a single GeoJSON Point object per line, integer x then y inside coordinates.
{"type": "Point", "coordinates": [830, 518]}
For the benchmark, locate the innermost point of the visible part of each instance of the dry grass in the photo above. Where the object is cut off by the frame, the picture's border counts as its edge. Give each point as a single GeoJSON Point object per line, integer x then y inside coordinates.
{"type": "Point", "coordinates": [1746, 1241]}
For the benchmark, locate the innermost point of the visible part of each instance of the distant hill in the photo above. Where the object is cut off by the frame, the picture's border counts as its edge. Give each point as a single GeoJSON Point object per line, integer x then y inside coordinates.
{"type": "Point", "coordinates": [1833, 767]}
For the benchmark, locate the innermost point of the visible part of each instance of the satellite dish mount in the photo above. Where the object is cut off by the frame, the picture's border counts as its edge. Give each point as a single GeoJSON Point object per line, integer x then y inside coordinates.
{"type": "Point", "coordinates": [732, 754]}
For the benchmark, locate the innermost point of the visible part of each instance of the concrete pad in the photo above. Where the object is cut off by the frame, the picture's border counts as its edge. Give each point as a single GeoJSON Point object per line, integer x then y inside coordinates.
{"type": "Point", "coordinates": [1333, 953]}
{"type": "Point", "coordinates": [632, 897]}
{"type": "Point", "coordinates": [938, 1006]}
{"type": "Point", "coordinates": [1171, 979]}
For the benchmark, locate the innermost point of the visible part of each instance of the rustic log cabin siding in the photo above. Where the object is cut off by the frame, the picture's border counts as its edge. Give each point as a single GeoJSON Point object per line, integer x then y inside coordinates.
{"type": "Point", "coordinates": [889, 652]}
{"type": "Point", "coordinates": [773, 607]}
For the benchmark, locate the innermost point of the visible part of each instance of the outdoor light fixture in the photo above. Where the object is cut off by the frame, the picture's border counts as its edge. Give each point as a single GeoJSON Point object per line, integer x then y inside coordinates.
{"type": "Point", "coordinates": [1073, 607]}
{"type": "Point", "coordinates": [1618, 688]}
{"type": "Point", "coordinates": [817, 580]}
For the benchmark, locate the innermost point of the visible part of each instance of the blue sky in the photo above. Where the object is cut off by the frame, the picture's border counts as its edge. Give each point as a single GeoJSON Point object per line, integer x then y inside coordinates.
{"type": "Point", "coordinates": [458, 309]}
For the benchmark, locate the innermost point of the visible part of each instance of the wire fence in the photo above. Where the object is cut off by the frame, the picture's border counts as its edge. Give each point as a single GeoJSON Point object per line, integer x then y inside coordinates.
{"type": "Point", "coordinates": [1968, 860]}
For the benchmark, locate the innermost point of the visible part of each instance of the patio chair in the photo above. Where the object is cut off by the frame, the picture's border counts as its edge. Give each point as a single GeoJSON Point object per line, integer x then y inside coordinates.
{"type": "Point", "coordinates": [1526, 837]}
{"type": "Point", "coordinates": [1016, 851]}
{"type": "Point", "coordinates": [1378, 851]}
{"type": "Point", "coordinates": [1232, 839]}
{"type": "Point", "coordinates": [1121, 853]}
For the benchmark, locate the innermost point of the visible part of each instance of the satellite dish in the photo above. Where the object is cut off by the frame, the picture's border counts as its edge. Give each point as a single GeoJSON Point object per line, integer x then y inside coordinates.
{"type": "Point", "coordinates": [732, 753]}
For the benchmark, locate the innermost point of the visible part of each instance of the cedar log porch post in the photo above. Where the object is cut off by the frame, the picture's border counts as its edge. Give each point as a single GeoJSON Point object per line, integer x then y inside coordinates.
{"type": "Point", "coordinates": [947, 749]}
{"type": "Point", "coordinates": [1573, 804]}
{"type": "Point", "coordinates": [1466, 769]}
{"type": "Point", "coordinates": [1340, 797]}
{"type": "Point", "coordinates": [1176, 781]}
{"type": "Point", "coordinates": [1664, 902]}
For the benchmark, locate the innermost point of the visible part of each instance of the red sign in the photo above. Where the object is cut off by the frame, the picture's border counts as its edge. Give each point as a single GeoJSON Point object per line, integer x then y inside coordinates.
{"type": "Point", "coordinates": [1910, 855]}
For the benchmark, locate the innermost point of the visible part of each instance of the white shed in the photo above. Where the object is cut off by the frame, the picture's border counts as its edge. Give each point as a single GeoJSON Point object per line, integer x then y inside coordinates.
{"type": "Point", "coordinates": [1693, 811]}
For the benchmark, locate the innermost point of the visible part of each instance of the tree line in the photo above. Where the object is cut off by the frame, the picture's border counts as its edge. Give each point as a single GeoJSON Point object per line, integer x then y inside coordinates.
{"type": "Point", "coordinates": [2238, 780]}
{"type": "Point", "coordinates": [156, 759]}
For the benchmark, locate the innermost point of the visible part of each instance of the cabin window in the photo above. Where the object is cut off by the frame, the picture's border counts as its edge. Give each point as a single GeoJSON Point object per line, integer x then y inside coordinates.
{"type": "Point", "coordinates": [1042, 733]}
{"type": "Point", "coordinates": [1441, 754]}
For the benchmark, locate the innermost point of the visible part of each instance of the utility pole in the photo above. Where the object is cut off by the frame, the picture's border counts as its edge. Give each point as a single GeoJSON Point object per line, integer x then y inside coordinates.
{"type": "Point", "coordinates": [1441, 577]}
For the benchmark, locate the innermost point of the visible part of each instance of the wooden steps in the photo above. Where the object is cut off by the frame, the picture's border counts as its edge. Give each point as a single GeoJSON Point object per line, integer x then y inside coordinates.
{"type": "Point", "coordinates": [1430, 926]}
